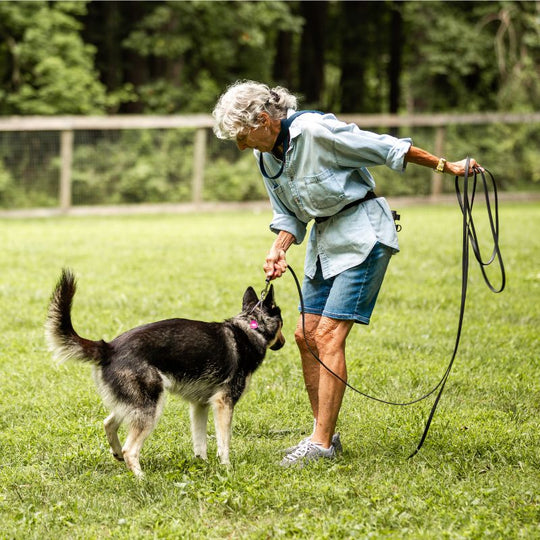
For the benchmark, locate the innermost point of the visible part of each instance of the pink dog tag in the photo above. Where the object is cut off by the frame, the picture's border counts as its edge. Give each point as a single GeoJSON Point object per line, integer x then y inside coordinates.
{"type": "Point", "coordinates": [254, 324]}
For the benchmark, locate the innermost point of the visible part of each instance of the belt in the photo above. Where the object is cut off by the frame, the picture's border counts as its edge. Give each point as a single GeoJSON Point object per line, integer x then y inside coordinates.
{"type": "Point", "coordinates": [369, 195]}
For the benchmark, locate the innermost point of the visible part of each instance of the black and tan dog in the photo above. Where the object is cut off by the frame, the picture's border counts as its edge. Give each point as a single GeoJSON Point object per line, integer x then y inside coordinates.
{"type": "Point", "coordinates": [207, 363]}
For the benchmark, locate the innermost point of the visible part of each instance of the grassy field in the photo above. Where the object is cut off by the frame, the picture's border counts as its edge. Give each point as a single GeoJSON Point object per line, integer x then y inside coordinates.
{"type": "Point", "coordinates": [477, 476]}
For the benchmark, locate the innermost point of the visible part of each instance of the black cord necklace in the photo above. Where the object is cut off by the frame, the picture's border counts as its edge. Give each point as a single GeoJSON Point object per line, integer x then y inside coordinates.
{"type": "Point", "coordinates": [282, 140]}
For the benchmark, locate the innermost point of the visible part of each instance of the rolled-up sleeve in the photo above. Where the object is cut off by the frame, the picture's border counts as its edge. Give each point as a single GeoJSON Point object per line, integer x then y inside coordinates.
{"type": "Point", "coordinates": [354, 147]}
{"type": "Point", "coordinates": [283, 219]}
{"type": "Point", "coordinates": [282, 222]}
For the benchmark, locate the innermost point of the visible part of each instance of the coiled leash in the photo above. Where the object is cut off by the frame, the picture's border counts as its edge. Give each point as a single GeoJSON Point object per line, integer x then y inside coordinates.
{"type": "Point", "coordinates": [466, 203]}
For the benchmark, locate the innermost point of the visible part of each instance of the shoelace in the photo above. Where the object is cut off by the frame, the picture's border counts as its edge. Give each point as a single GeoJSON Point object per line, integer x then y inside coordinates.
{"type": "Point", "coordinates": [301, 451]}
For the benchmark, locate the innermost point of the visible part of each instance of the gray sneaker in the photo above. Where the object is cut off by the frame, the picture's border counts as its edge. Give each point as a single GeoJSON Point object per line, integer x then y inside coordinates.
{"type": "Point", "coordinates": [306, 453]}
{"type": "Point", "coordinates": [336, 443]}
{"type": "Point", "coordinates": [293, 448]}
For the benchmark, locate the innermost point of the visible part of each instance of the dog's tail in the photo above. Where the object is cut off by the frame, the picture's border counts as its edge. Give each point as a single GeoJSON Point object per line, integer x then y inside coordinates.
{"type": "Point", "coordinates": [62, 339]}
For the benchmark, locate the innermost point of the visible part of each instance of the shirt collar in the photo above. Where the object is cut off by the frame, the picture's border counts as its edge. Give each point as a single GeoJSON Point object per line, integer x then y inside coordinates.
{"type": "Point", "coordinates": [294, 130]}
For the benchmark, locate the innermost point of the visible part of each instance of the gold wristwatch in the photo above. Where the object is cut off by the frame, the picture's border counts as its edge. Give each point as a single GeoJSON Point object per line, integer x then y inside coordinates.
{"type": "Point", "coordinates": [440, 165]}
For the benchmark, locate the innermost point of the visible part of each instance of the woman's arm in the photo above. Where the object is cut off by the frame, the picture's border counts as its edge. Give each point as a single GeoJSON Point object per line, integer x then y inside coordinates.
{"type": "Point", "coordinates": [421, 157]}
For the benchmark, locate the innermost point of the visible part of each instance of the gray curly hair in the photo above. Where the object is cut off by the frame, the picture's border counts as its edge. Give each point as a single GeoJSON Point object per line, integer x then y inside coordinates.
{"type": "Point", "coordinates": [241, 104]}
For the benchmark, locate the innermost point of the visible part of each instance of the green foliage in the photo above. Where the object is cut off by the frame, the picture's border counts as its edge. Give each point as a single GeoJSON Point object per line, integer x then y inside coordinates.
{"type": "Point", "coordinates": [473, 56]}
{"type": "Point", "coordinates": [51, 67]}
{"type": "Point", "coordinates": [157, 166]}
{"type": "Point", "coordinates": [169, 57]}
{"type": "Point", "coordinates": [476, 477]}
{"type": "Point", "coordinates": [237, 181]}
{"type": "Point", "coordinates": [23, 155]}
{"type": "Point", "coordinates": [517, 46]}
{"type": "Point", "coordinates": [137, 166]}
{"type": "Point", "coordinates": [7, 188]}
{"type": "Point", "coordinates": [509, 151]}
{"type": "Point", "coordinates": [203, 44]}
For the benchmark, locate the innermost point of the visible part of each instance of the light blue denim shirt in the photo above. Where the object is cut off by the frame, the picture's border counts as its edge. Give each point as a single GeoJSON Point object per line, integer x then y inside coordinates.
{"type": "Point", "coordinates": [325, 170]}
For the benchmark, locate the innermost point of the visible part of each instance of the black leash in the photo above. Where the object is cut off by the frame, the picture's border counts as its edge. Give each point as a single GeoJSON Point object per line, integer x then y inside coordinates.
{"type": "Point", "coordinates": [466, 203]}
{"type": "Point", "coordinates": [469, 235]}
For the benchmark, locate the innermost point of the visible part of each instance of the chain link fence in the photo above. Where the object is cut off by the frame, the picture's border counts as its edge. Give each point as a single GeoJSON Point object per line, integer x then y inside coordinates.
{"type": "Point", "coordinates": [65, 162]}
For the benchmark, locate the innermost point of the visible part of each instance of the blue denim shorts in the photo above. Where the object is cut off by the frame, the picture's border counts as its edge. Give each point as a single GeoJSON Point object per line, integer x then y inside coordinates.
{"type": "Point", "coordinates": [351, 295]}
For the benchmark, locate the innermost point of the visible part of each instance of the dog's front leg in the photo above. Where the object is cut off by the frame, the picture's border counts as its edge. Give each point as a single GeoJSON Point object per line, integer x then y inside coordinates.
{"type": "Point", "coordinates": [223, 412]}
{"type": "Point", "coordinates": [198, 415]}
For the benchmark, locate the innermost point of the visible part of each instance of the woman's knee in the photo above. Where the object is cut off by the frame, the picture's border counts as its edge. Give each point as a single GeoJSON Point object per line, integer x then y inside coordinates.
{"type": "Point", "coordinates": [305, 331]}
{"type": "Point", "coordinates": [331, 335]}
{"type": "Point", "coordinates": [301, 336]}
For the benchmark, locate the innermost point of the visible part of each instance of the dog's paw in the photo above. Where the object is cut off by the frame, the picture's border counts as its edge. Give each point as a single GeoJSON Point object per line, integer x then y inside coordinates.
{"type": "Point", "coordinates": [116, 456]}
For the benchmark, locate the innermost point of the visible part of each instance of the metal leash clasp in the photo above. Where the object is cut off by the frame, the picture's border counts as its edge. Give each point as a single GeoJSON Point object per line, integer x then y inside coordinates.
{"type": "Point", "coordinates": [264, 292]}
{"type": "Point", "coordinates": [254, 324]}
{"type": "Point", "coordinates": [396, 217]}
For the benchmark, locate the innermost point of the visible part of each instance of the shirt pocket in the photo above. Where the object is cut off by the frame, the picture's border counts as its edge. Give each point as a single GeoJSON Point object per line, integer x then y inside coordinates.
{"type": "Point", "coordinates": [284, 199]}
{"type": "Point", "coordinates": [324, 190]}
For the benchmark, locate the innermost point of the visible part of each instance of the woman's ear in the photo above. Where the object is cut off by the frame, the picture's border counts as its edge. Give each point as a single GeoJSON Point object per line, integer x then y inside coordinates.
{"type": "Point", "coordinates": [264, 119]}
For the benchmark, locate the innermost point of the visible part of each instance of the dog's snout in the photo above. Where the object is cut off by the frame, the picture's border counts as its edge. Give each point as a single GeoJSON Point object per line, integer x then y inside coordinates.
{"type": "Point", "coordinates": [279, 342]}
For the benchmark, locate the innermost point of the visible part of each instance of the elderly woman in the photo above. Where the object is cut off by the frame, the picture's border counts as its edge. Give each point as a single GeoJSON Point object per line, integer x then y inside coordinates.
{"type": "Point", "coordinates": [315, 167]}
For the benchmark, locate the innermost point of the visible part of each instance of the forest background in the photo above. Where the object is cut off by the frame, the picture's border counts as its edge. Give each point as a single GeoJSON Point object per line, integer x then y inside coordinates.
{"type": "Point", "coordinates": [161, 58]}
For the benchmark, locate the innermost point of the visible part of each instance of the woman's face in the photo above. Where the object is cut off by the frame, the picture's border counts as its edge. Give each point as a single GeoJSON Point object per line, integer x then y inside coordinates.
{"type": "Point", "coordinates": [262, 138]}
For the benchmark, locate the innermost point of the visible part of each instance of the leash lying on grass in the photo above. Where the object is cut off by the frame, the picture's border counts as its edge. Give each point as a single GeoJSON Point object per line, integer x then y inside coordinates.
{"type": "Point", "coordinates": [469, 235]}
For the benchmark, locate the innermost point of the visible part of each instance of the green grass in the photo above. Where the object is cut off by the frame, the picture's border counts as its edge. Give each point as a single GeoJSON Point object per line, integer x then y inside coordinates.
{"type": "Point", "coordinates": [477, 476]}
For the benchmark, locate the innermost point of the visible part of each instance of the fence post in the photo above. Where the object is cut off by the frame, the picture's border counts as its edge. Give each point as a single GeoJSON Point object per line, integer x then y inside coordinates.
{"type": "Point", "coordinates": [437, 178]}
{"type": "Point", "coordinates": [199, 158]}
{"type": "Point", "coordinates": [66, 158]}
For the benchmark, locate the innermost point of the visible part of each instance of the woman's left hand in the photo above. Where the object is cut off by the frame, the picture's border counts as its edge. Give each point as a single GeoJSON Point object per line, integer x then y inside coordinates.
{"type": "Point", "coordinates": [458, 167]}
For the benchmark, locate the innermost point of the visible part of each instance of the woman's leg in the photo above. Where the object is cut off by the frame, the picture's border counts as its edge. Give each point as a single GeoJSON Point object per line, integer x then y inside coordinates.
{"type": "Point", "coordinates": [330, 338]}
{"type": "Point", "coordinates": [310, 366]}
{"type": "Point", "coordinates": [335, 304]}
{"type": "Point", "coordinates": [326, 338]}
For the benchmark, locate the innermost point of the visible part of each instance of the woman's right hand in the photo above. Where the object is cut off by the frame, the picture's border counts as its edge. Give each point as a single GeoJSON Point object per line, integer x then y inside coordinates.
{"type": "Point", "coordinates": [275, 264]}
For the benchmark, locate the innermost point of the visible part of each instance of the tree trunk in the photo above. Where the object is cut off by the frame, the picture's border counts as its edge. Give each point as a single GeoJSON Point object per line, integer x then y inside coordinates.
{"type": "Point", "coordinates": [312, 47]}
{"type": "Point", "coordinates": [283, 67]}
{"type": "Point", "coordinates": [394, 66]}
{"type": "Point", "coordinates": [353, 56]}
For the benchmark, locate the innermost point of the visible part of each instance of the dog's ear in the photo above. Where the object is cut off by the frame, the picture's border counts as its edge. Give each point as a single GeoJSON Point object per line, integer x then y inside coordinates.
{"type": "Point", "coordinates": [269, 298]}
{"type": "Point", "coordinates": [250, 298]}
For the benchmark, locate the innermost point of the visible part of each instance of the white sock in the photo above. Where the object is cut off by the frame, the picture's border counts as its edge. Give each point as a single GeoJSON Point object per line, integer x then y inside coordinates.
{"type": "Point", "coordinates": [319, 445]}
